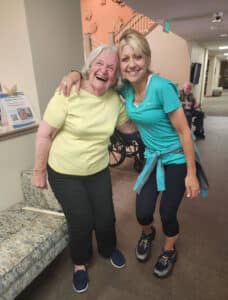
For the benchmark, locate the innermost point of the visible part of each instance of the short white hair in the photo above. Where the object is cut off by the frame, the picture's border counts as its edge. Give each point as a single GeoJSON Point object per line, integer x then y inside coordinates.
{"type": "Point", "coordinates": [94, 54]}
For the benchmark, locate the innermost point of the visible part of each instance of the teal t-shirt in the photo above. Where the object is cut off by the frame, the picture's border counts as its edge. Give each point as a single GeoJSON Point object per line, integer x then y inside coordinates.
{"type": "Point", "coordinates": [151, 116]}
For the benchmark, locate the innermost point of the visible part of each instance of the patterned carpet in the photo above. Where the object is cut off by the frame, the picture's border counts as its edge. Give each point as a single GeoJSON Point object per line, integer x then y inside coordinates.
{"type": "Point", "coordinates": [216, 106]}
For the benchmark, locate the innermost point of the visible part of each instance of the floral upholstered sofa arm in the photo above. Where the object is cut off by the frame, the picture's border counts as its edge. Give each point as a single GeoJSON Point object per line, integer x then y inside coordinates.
{"type": "Point", "coordinates": [40, 198]}
{"type": "Point", "coordinates": [29, 240]}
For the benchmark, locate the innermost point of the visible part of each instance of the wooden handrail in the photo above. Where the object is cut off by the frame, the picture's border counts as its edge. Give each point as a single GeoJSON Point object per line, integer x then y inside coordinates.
{"type": "Point", "coordinates": [139, 22]}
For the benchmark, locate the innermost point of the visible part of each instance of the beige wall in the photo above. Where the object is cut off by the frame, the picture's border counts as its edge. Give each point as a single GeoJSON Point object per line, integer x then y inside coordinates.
{"type": "Point", "coordinates": [213, 74]}
{"type": "Point", "coordinates": [16, 67]}
{"type": "Point", "coordinates": [104, 16]}
{"type": "Point", "coordinates": [199, 55]}
{"type": "Point", "coordinates": [40, 41]}
{"type": "Point", "coordinates": [171, 55]}
{"type": "Point", "coordinates": [55, 35]}
{"type": "Point", "coordinates": [15, 56]}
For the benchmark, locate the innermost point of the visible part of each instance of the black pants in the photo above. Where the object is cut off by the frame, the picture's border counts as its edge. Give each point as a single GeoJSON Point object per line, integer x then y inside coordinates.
{"type": "Point", "coordinates": [198, 121]}
{"type": "Point", "coordinates": [87, 204]}
{"type": "Point", "coordinates": [170, 200]}
{"type": "Point", "coordinates": [197, 118]}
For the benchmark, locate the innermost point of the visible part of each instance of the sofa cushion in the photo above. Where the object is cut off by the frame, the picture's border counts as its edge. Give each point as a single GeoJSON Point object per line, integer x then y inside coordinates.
{"type": "Point", "coordinates": [27, 245]}
{"type": "Point", "coordinates": [42, 198]}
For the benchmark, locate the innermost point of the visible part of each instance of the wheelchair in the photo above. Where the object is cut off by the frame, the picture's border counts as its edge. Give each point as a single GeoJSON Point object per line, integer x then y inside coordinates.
{"type": "Point", "coordinates": [126, 145]}
{"type": "Point", "coordinates": [195, 117]}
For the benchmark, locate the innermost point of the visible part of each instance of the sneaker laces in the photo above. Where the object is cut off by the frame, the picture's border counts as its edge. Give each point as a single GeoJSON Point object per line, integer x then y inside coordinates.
{"type": "Point", "coordinates": [144, 243]}
{"type": "Point", "coordinates": [145, 240]}
{"type": "Point", "coordinates": [164, 259]}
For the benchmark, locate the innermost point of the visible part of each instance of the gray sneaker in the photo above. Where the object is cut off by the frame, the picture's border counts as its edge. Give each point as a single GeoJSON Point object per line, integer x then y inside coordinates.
{"type": "Point", "coordinates": [143, 248]}
{"type": "Point", "coordinates": [165, 263]}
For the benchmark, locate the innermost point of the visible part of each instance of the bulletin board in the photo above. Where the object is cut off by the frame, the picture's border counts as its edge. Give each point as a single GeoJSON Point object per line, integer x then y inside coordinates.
{"type": "Point", "coordinates": [16, 115]}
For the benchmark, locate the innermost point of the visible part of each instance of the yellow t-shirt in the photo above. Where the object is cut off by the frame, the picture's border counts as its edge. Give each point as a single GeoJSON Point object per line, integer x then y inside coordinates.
{"type": "Point", "coordinates": [85, 124]}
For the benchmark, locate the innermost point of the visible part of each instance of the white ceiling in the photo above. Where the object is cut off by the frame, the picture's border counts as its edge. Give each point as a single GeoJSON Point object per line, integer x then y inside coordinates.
{"type": "Point", "coordinates": [191, 20]}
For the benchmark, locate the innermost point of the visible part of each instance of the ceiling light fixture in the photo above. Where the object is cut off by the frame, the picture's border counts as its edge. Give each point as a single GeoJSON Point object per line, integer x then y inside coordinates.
{"type": "Point", "coordinates": [217, 17]}
{"type": "Point", "coordinates": [223, 47]}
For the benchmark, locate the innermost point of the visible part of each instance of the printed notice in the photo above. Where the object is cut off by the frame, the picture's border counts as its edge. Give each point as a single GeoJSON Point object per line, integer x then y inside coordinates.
{"type": "Point", "coordinates": [17, 110]}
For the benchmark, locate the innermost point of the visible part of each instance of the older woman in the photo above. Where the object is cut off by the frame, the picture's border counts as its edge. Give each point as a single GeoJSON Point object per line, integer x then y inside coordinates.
{"type": "Point", "coordinates": [72, 147]}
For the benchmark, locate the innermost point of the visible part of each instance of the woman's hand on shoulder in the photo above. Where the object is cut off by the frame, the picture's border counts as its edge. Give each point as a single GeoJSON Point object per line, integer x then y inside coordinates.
{"type": "Point", "coordinates": [67, 82]}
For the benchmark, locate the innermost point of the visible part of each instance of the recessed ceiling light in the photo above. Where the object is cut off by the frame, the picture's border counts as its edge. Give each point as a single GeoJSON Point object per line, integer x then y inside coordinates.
{"type": "Point", "coordinates": [223, 47]}
{"type": "Point", "coordinates": [223, 35]}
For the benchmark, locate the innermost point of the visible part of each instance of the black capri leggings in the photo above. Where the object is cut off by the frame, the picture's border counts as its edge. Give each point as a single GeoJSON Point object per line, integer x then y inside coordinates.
{"type": "Point", "coordinates": [87, 204]}
{"type": "Point", "coordinates": [170, 200]}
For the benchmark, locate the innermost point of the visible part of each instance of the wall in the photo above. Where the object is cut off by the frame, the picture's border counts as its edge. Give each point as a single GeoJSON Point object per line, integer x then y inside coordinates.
{"type": "Point", "coordinates": [224, 74]}
{"type": "Point", "coordinates": [198, 56]}
{"type": "Point", "coordinates": [213, 74]}
{"type": "Point", "coordinates": [16, 59]}
{"type": "Point", "coordinates": [56, 42]}
{"type": "Point", "coordinates": [36, 61]}
{"type": "Point", "coordinates": [105, 16]}
{"type": "Point", "coordinates": [16, 67]}
{"type": "Point", "coordinates": [171, 55]}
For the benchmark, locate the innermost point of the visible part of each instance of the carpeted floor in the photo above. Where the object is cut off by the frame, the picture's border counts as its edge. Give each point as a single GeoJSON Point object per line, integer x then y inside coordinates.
{"type": "Point", "coordinates": [201, 271]}
{"type": "Point", "coordinates": [216, 106]}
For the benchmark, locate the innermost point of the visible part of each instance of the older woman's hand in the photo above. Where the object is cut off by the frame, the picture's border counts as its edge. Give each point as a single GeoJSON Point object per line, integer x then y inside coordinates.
{"type": "Point", "coordinates": [39, 179]}
{"type": "Point", "coordinates": [73, 78]}
{"type": "Point", "coordinates": [192, 186]}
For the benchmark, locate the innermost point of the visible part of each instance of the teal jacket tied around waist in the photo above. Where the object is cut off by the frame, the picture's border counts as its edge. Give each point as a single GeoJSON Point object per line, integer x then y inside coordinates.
{"type": "Point", "coordinates": [153, 159]}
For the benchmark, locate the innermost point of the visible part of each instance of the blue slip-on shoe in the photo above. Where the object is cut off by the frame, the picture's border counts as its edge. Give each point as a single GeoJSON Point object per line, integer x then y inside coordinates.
{"type": "Point", "coordinates": [80, 281]}
{"type": "Point", "coordinates": [117, 259]}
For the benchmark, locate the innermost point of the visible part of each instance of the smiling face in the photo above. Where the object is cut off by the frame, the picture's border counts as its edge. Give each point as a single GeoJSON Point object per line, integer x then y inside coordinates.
{"type": "Point", "coordinates": [134, 65]}
{"type": "Point", "coordinates": [103, 72]}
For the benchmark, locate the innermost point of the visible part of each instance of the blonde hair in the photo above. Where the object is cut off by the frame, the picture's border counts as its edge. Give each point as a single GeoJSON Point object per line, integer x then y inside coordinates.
{"type": "Point", "coordinates": [137, 41]}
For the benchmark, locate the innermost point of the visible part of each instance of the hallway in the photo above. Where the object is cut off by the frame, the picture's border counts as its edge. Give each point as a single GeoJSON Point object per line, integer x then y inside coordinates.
{"type": "Point", "coordinates": [201, 272]}
{"type": "Point", "coordinates": [216, 106]}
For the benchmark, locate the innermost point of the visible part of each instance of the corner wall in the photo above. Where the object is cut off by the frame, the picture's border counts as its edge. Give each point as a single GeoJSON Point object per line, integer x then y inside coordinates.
{"type": "Point", "coordinates": [55, 35]}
